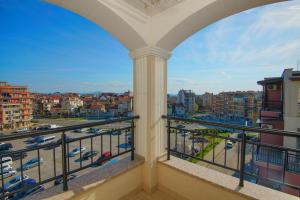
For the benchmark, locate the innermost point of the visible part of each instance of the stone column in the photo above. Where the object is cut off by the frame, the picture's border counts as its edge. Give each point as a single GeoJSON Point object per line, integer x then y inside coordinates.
{"type": "Point", "coordinates": [150, 103]}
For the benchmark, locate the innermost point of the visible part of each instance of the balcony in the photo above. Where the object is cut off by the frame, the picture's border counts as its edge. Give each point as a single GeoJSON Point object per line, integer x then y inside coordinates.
{"type": "Point", "coordinates": [150, 30]}
{"type": "Point", "coordinates": [214, 176]}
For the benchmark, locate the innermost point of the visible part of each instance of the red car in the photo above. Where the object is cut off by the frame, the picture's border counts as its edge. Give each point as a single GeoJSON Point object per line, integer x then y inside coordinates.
{"type": "Point", "coordinates": [103, 158]}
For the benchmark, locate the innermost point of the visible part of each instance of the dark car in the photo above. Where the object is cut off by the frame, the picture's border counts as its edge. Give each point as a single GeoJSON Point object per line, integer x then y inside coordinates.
{"type": "Point", "coordinates": [103, 158]}
{"type": "Point", "coordinates": [68, 138]}
{"type": "Point", "coordinates": [180, 126]}
{"type": "Point", "coordinates": [60, 180]}
{"type": "Point", "coordinates": [13, 155]}
{"type": "Point", "coordinates": [5, 146]}
{"type": "Point", "coordinates": [26, 182]}
{"type": "Point", "coordinates": [28, 192]}
{"type": "Point", "coordinates": [89, 154]}
{"type": "Point", "coordinates": [33, 139]}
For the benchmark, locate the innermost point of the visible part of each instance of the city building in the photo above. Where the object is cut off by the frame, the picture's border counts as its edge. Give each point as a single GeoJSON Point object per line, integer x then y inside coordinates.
{"type": "Point", "coordinates": [15, 106]}
{"type": "Point", "coordinates": [70, 103]}
{"type": "Point", "coordinates": [207, 101]}
{"type": "Point", "coordinates": [280, 110]}
{"type": "Point", "coordinates": [244, 105]}
{"type": "Point", "coordinates": [188, 99]}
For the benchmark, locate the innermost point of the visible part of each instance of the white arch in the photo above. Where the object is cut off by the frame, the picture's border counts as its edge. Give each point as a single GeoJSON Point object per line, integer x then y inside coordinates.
{"type": "Point", "coordinates": [136, 29]}
{"type": "Point", "coordinates": [195, 15]}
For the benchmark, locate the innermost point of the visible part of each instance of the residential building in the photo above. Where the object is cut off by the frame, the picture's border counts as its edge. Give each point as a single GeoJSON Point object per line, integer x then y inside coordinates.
{"type": "Point", "coordinates": [15, 106]}
{"type": "Point", "coordinates": [237, 105]}
{"type": "Point", "coordinates": [70, 102]}
{"type": "Point", "coordinates": [188, 99]}
{"type": "Point", "coordinates": [207, 100]}
{"type": "Point", "coordinates": [280, 110]}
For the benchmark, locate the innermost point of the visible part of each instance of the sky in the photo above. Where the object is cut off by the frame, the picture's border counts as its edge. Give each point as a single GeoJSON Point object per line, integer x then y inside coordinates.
{"type": "Point", "coordinates": [50, 49]}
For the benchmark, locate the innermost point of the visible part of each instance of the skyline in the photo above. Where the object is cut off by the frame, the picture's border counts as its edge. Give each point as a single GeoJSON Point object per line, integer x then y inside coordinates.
{"type": "Point", "coordinates": [232, 54]}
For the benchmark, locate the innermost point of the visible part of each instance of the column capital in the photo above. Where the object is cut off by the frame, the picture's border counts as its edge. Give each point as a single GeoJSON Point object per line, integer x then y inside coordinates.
{"type": "Point", "coordinates": [150, 51]}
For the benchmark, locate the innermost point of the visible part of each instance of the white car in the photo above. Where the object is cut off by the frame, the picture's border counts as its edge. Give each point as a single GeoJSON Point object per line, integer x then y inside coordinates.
{"type": "Point", "coordinates": [76, 151]}
{"type": "Point", "coordinates": [7, 174]}
{"type": "Point", "coordinates": [14, 181]}
{"type": "Point", "coordinates": [5, 161]}
{"type": "Point", "coordinates": [229, 144]}
{"type": "Point", "coordinates": [7, 168]}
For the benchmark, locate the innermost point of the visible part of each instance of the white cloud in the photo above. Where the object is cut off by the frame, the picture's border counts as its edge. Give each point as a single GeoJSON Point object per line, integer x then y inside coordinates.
{"type": "Point", "coordinates": [253, 44]}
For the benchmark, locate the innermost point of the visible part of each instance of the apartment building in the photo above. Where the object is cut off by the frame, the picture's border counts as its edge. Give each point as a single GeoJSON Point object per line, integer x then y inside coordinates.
{"type": "Point", "coordinates": [207, 101]}
{"type": "Point", "coordinates": [280, 110]}
{"type": "Point", "coordinates": [70, 102]}
{"type": "Point", "coordinates": [15, 106]}
{"type": "Point", "coordinates": [188, 99]}
{"type": "Point", "coordinates": [239, 105]}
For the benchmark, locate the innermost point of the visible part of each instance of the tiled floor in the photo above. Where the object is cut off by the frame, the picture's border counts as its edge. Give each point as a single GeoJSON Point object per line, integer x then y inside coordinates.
{"type": "Point", "coordinates": [158, 195]}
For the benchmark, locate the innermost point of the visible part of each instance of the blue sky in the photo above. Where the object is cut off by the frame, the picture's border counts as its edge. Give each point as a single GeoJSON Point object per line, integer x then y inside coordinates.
{"type": "Point", "coordinates": [51, 49]}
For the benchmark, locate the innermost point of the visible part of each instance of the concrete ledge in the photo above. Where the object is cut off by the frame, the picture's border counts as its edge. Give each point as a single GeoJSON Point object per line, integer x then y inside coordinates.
{"type": "Point", "coordinates": [196, 182]}
{"type": "Point", "coordinates": [114, 182]}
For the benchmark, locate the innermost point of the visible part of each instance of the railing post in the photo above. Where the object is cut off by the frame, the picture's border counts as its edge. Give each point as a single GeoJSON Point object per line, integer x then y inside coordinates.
{"type": "Point", "coordinates": [242, 164]}
{"type": "Point", "coordinates": [169, 140]}
{"type": "Point", "coordinates": [132, 140]}
{"type": "Point", "coordinates": [64, 161]}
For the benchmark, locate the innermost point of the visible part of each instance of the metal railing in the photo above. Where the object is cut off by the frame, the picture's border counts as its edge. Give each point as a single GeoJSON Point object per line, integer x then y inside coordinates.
{"type": "Point", "coordinates": [64, 170]}
{"type": "Point", "coordinates": [235, 150]}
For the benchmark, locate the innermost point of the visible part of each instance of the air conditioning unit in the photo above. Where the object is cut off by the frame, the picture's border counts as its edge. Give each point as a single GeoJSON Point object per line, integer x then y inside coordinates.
{"type": "Point", "coordinates": [272, 87]}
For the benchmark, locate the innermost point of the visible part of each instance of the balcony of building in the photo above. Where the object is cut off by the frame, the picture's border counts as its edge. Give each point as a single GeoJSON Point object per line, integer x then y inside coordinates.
{"type": "Point", "coordinates": [157, 159]}
{"type": "Point", "coordinates": [184, 171]}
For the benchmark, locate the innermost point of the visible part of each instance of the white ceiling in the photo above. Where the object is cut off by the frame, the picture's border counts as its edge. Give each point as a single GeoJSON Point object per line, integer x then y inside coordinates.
{"type": "Point", "coordinates": [152, 7]}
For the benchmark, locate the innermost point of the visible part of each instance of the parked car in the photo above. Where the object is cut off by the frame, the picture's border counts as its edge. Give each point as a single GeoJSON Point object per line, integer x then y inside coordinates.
{"type": "Point", "coordinates": [94, 130]}
{"type": "Point", "coordinates": [89, 154]}
{"type": "Point", "coordinates": [33, 139]}
{"type": "Point", "coordinates": [45, 140]}
{"type": "Point", "coordinates": [103, 158]}
{"type": "Point", "coordinates": [5, 146]}
{"type": "Point", "coordinates": [27, 182]}
{"type": "Point", "coordinates": [68, 138]}
{"type": "Point", "coordinates": [80, 130]}
{"type": "Point", "coordinates": [76, 151]}
{"type": "Point", "coordinates": [7, 168]}
{"type": "Point", "coordinates": [22, 130]}
{"type": "Point", "coordinates": [185, 134]}
{"type": "Point", "coordinates": [28, 192]}
{"type": "Point", "coordinates": [7, 173]}
{"type": "Point", "coordinates": [13, 155]}
{"type": "Point", "coordinates": [6, 161]}
{"type": "Point", "coordinates": [180, 126]}
{"type": "Point", "coordinates": [14, 181]}
{"type": "Point", "coordinates": [229, 144]}
{"type": "Point", "coordinates": [60, 180]}
{"type": "Point", "coordinates": [32, 163]}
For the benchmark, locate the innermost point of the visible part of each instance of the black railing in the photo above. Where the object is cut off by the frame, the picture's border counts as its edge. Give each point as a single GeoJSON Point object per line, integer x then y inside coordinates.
{"type": "Point", "coordinates": [238, 149]}
{"type": "Point", "coordinates": [108, 144]}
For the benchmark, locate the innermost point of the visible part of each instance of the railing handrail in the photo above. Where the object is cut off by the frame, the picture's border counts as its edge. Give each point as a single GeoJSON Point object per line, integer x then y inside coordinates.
{"type": "Point", "coordinates": [65, 156]}
{"type": "Point", "coordinates": [239, 127]}
{"type": "Point", "coordinates": [62, 129]}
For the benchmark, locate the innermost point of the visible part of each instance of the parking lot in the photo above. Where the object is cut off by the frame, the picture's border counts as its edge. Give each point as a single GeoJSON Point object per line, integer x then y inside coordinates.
{"type": "Point", "coordinates": [54, 155]}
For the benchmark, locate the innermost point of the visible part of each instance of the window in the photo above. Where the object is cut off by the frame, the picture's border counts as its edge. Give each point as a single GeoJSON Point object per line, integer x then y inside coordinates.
{"type": "Point", "coordinates": [271, 87]}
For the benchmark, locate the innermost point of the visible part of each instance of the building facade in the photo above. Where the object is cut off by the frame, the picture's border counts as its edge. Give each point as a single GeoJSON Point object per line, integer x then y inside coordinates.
{"type": "Point", "coordinates": [15, 107]}
{"type": "Point", "coordinates": [188, 99]}
{"type": "Point", "coordinates": [280, 110]}
{"type": "Point", "coordinates": [237, 105]}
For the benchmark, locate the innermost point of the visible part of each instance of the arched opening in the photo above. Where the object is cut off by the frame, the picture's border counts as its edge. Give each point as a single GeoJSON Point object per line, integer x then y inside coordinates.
{"type": "Point", "coordinates": [219, 69]}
